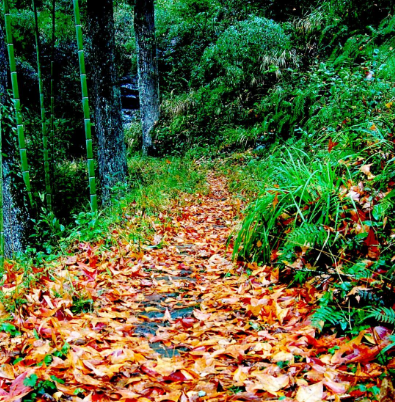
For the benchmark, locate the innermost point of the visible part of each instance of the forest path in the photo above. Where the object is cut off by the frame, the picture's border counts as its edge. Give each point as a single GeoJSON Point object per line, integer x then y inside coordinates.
{"type": "Point", "coordinates": [177, 321]}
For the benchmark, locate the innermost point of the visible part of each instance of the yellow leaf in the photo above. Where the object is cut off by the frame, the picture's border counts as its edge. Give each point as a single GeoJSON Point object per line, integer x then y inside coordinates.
{"type": "Point", "coordinates": [388, 105]}
{"type": "Point", "coordinates": [149, 309]}
{"type": "Point", "coordinates": [365, 169]}
{"type": "Point", "coordinates": [312, 393]}
{"type": "Point", "coordinates": [270, 383]}
{"type": "Point", "coordinates": [6, 371]}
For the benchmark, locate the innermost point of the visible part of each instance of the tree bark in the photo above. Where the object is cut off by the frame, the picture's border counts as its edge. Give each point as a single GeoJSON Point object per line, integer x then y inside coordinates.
{"type": "Point", "coordinates": [15, 213]}
{"type": "Point", "coordinates": [144, 27]}
{"type": "Point", "coordinates": [106, 96]}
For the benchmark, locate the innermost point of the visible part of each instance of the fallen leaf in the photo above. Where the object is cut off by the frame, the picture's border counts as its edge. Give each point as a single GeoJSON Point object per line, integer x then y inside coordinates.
{"type": "Point", "coordinates": [311, 393]}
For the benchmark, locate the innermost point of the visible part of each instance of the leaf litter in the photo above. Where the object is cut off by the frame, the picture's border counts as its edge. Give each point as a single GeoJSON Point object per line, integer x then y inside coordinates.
{"type": "Point", "coordinates": [177, 320]}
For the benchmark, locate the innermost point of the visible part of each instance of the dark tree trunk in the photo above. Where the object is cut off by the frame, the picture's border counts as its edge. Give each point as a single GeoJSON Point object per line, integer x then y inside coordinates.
{"type": "Point", "coordinates": [106, 96]}
{"type": "Point", "coordinates": [144, 27]}
{"type": "Point", "coordinates": [15, 214]}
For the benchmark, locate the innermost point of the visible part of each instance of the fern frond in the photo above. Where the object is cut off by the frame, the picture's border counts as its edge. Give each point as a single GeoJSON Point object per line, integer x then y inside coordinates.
{"type": "Point", "coordinates": [383, 314]}
{"type": "Point", "coordinates": [326, 314]}
{"type": "Point", "coordinates": [309, 233]}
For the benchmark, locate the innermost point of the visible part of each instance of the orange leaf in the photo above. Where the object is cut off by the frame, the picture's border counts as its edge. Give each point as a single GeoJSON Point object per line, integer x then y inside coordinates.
{"type": "Point", "coordinates": [331, 145]}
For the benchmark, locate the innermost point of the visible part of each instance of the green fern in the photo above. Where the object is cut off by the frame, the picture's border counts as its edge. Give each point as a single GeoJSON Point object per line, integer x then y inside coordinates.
{"type": "Point", "coordinates": [309, 233]}
{"type": "Point", "coordinates": [328, 314]}
{"type": "Point", "coordinates": [382, 314]}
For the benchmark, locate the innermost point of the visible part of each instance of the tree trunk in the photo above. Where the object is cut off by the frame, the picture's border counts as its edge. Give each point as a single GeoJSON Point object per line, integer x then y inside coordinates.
{"type": "Point", "coordinates": [144, 27]}
{"type": "Point", "coordinates": [15, 214]}
{"type": "Point", "coordinates": [106, 96]}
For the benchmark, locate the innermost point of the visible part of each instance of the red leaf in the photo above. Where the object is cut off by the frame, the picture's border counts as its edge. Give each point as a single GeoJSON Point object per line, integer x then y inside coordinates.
{"type": "Point", "coordinates": [331, 145]}
{"type": "Point", "coordinates": [357, 392]}
{"type": "Point", "coordinates": [176, 377]}
{"type": "Point", "coordinates": [149, 371]}
{"type": "Point", "coordinates": [371, 239]}
{"type": "Point", "coordinates": [187, 322]}
{"type": "Point", "coordinates": [372, 244]}
{"type": "Point", "coordinates": [17, 389]}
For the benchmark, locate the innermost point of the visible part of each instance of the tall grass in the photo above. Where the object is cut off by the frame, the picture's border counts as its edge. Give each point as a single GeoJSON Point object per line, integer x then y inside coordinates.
{"type": "Point", "coordinates": [152, 186]}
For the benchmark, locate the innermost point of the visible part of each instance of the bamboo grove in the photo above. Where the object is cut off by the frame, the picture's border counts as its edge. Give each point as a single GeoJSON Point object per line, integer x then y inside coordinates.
{"type": "Point", "coordinates": [47, 126]}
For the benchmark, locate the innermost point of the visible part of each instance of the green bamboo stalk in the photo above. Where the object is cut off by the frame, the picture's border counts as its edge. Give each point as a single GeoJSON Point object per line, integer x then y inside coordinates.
{"type": "Point", "coordinates": [17, 101]}
{"type": "Point", "coordinates": [2, 242]}
{"type": "Point", "coordinates": [52, 117]}
{"type": "Point", "coordinates": [47, 177]}
{"type": "Point", "coordinates": [85, 107]}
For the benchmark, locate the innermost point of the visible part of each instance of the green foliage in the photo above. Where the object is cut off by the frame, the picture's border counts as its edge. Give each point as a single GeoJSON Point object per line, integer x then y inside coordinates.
{"type": "Point", "coordinates": [241, 85]}
{"type": "Point", "coordinates": [125, 40]}
{"type": "Point", "coordinates": [47, 361]}
{"type": "Point", "coordinates": [41, 388]}
{"type": "Point", "coordinates": [30, 381]}
{"type": "Point", "coordinates": [153, 183]}
{"type": "Point", "coordinates": [223, 83]}
{"type": "Point", "coordinates": [71, 189]}
{"type": "Point", "coordinates": [82, 304]}
{"type": "Point", "coordinates": [382, 314]}
{"type": "Point", "coordinates": [244, 54]}
{"type": "Point", "coordinates": [331, 125]}
{"type": "Point", "coordinates": [63, 351]}
{"type": "Point", "coordinates": [294, 180]}
{"type": "Point", "coordinates": [88, 226]}
{"type": "Point", "coordinates": [47, 230]}
{"type": "Point", "coordinates": [9, 329]}
{"type": "Point", "coordinates": [79, 391]}
{"type": "Point", "coordinates": [301, 201]}
{"type": "Point", "coordinates": [328, 314]}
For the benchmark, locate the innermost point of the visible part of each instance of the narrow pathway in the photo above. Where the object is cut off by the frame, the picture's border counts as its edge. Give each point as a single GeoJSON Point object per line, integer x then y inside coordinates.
{"type": "Point", "coordinates": [176, 321]}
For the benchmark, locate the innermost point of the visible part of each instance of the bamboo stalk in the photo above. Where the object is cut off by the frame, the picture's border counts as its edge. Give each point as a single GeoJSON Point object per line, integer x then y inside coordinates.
{"type": "Point", "coordinates": [17, 102]}
{"type": "Point", "coordinates": [47, 178]}
{"type": "Point", "coordinates": [52, 117]}
{"type": "Point", "coordinates": [85, 107]}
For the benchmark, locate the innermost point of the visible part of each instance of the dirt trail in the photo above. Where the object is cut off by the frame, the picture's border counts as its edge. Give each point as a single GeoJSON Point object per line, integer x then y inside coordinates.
{"type": "Point", "coordinates": [175, 322]}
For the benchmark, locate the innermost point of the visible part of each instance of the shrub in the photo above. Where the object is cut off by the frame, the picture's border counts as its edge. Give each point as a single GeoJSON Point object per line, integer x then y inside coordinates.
{"type": "Point", "coordinates": [244, 54]}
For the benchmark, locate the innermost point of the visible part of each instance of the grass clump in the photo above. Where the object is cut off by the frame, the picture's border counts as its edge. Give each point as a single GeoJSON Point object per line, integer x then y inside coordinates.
{"type": "Point", "coordinates": [153, 184]}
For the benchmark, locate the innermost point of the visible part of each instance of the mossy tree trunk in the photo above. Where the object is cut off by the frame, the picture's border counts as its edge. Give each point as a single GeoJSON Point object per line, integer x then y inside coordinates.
{"type": "Point", "coordinates": [15, 213]}
{"type": "Point", "coordinates": [105, 95]}
{"type": "Point", "coordinates": [144, 26]}
{"type": "Point", "coordinates": [2, 245]}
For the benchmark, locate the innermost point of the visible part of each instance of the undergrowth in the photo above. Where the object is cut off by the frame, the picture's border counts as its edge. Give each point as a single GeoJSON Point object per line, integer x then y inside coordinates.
{"type": "Point", "coordinates": [321, 203]}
